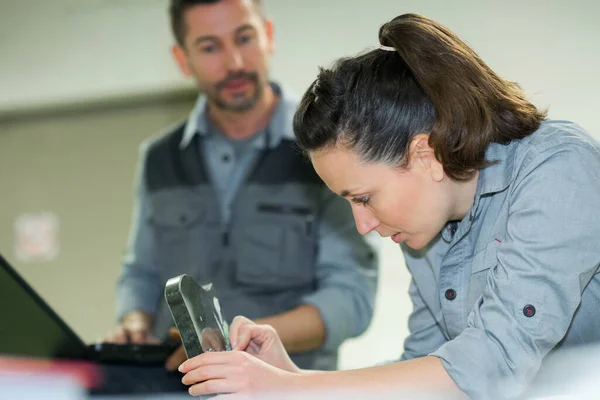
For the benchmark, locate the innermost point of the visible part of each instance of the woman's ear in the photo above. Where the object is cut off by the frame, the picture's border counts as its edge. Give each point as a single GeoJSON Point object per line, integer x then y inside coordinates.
{"type": "Point", "coordinates": [423, 154]}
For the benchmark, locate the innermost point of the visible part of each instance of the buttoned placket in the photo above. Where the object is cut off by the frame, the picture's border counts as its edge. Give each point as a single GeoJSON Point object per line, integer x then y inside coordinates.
{"type": "Point", "coordinates": [455, 273]}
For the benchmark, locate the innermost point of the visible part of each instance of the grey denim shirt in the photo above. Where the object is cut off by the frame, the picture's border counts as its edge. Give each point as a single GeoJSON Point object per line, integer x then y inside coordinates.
{"type": "Point", "coordinates": [517, 278]}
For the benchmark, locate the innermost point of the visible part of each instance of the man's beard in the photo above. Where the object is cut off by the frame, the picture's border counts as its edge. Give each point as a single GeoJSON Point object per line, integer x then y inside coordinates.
{"type": "Point", "coordinates": [243, 105]}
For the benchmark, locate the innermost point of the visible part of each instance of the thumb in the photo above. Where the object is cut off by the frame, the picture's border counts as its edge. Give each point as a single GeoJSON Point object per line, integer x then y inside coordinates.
{"type": "Point", "coordinates": [235, 330]}
{"type": "Point", "coordinates": [174, 334]}
{"type": "Point", "coordinates": [175, 359]}
{"type": "Point", "coordinates": [248, 334]}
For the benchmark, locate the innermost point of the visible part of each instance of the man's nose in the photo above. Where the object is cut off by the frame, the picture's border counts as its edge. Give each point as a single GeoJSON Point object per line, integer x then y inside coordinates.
{"type": "Point", "coordinates": [234, 60]}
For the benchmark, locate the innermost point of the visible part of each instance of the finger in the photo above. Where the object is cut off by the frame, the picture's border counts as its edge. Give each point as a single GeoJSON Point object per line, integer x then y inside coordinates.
{"type": "Point", "coordinates": [174, 334]}
{"type": "Point", "coordinates": [151, 339]}
{"type": "Point", "coordinates": [210, 358]}
{"type": "Point", "coordinates": [138, 336]}
{"type": "Point", "coordinates": [118, 336]}
{"type": "Point", "coordinates": [210, 372]}
{"type": "Point", "coordinates": [244, 337]}
{"type": "Point", "coordinates": [109, 338]}
{"type": "Point", "coordinates": [253, 334]}
{"type": "Point", "coordinates": [214, 386]}
{"type": "Point", "coordinates": [238, 323]}
{"type": "Point", "coordinates": [176, 359]}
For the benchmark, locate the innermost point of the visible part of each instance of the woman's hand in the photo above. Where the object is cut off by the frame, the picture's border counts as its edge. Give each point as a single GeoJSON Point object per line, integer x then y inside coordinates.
{"type": "Point", "coordinates": [233, 372]}
{"type": "Point", "coordinates": [262, 342]}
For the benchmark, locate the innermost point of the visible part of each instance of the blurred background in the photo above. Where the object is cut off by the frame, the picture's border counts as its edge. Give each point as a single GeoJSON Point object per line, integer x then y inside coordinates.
{"type": "Point", "coordinates": [83, 82]}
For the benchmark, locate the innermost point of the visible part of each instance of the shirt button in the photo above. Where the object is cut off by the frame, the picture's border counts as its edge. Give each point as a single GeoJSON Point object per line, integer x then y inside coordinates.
{"type": "Point", "coordinates": [450, 294]}
{"type": "Point", "coordinates": [529, 311]}
{"type": "Point", "coordinates": [225, 157]}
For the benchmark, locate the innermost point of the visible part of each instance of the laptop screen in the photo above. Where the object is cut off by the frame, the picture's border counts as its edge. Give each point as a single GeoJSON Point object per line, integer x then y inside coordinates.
{"type": "Point", "coordinates": [28, 326]}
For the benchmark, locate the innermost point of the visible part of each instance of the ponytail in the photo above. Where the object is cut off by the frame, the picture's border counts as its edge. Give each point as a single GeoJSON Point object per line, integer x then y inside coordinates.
{"type": "Point", "coordinates": [473, 105]}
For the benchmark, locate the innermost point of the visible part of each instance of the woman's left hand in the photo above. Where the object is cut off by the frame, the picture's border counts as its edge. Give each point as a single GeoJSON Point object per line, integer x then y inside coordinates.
{"type": "Point", "coordinates": [233, 372]}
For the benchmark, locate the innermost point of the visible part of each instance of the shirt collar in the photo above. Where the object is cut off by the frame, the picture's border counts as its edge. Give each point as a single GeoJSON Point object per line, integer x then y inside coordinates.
{"type": "Point", "coordinates": [493, 178]}
{"type": "Point", "coordinates": [280, 126]}
{"type": "Point", "coordinates": [497, 176]}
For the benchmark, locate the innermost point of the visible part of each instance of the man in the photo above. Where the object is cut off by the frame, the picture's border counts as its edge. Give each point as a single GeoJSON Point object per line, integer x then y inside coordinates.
{"type": "Point", "coordinates": [226, 198]}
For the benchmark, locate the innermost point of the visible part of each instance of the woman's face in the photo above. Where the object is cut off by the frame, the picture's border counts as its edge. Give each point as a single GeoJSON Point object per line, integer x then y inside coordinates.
{"type": "Point", "coordinates": [410, 204]}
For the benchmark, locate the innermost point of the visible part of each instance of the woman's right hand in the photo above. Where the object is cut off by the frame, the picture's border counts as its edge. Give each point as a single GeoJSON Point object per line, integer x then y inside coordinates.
{"type": "Point", "coordinates": [262, 342]}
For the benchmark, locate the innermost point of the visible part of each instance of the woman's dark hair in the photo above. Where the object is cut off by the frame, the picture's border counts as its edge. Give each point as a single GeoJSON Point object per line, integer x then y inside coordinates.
{"type": "Point", "coordinates": [432, 83]}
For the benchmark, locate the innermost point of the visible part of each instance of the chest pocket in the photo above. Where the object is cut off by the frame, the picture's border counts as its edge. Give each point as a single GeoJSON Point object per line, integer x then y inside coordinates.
{"type": "Point", "coordinates": [481, 265]}
{"type": "Point", "coordinates": [184, 234]}
{"type": "Point", "coordinates": [276, 248]}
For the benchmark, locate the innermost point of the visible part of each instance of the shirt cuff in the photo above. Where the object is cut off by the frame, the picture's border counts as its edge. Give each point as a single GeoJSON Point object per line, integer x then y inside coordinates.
{"type": "Point", "coordinates": [338, 313]}
{"type": "Point", "coordinates": [476, 367]}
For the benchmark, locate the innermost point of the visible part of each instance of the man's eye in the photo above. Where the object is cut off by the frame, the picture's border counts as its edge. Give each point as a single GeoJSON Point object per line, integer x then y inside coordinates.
{"type": "Point", "coordinates": [244, 39]}
{"type": "Point", "coordinates": [208, 49]}
{"type": "Point", "coordinates": [361, 200]}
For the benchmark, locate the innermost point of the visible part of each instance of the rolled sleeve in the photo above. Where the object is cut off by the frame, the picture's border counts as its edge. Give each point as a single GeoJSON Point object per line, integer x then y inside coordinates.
{"type": "Point", "coordinates": [138, 286]}
{"type": "Point", "coordinates": [346, 272]}
{"type": "Point", "coordinates": [544, 263]}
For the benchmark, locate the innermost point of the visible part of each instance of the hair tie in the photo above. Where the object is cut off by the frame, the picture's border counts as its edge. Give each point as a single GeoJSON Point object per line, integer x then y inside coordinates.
{"type": "Point", "coordinates": [386, 48]}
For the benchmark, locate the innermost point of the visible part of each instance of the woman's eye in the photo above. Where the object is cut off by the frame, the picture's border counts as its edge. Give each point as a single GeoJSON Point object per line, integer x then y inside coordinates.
{"type": "Point", "coordinates": [361, 200]}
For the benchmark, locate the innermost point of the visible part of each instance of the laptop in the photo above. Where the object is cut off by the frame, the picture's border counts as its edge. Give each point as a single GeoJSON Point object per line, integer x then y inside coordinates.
{"type": "Point", "coordinates": [30, 328]}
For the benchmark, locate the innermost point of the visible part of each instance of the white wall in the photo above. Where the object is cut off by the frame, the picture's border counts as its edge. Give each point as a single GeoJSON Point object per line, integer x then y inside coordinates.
{"type": "Point", "coordinates": [65, 51]}
{"type": "Point", "coordinates": [71, 50]}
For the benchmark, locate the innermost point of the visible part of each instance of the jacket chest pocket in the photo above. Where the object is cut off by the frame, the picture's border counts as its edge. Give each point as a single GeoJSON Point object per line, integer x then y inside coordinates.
{"type": "Point", "coordinates": [183, 237]}
{"type": "Point", "coordinates": [276, 248]}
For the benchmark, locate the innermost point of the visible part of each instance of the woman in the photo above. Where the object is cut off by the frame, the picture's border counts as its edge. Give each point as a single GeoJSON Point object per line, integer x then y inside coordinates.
{"type": "Point", "coordinates": [494, 206]}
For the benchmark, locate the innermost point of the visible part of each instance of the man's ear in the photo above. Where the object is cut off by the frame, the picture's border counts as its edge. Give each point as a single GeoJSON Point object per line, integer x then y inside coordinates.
{"type": "Point", "coordinates": [180, 57]}
{"type": "Point", "coordinates": [422, 153]}
{"type": "Point", "coordinates": [270, 31]}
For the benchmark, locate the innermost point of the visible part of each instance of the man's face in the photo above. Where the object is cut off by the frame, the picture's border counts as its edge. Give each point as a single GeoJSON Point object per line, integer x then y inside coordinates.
{"type": "Point", "coordinates": [226, 48]}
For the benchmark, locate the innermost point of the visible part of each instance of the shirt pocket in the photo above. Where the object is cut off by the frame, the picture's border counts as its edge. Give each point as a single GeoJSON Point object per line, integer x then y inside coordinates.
{"type": "Point", "coordinates": [481, 265]}
{"type": "Point", "coordinates": [183, 239]}
{"type": "Point", "coordinates": [277, 249]}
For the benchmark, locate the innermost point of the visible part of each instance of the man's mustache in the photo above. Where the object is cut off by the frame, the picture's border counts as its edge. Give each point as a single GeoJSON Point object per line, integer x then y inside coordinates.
{"type": "Point", "coordinates": [251, 76]}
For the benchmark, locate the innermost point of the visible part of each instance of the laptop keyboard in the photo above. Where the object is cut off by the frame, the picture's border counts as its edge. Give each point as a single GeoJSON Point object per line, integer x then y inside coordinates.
{"type": "Point", "coordinates": [137, 379]}
{"type": "Point", "coordinates": [130, 353]}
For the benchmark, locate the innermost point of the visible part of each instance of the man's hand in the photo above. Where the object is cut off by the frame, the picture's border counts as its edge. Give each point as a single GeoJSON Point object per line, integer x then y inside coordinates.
{"type": "Point", "coordinates": [135, 327]}
{"type": "Point", "coordinates": [178, 356]}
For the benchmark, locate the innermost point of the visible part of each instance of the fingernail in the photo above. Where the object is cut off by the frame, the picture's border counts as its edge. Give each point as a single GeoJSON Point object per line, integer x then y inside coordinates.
{"type": "Point", "coordinates": [180, 369]}
{"type": "Point", "coordinates": [233, 345]}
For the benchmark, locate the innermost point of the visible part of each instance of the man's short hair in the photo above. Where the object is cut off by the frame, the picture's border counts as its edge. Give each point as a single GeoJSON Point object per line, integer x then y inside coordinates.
{"type": "Point", "coordinates": [177, 10]}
